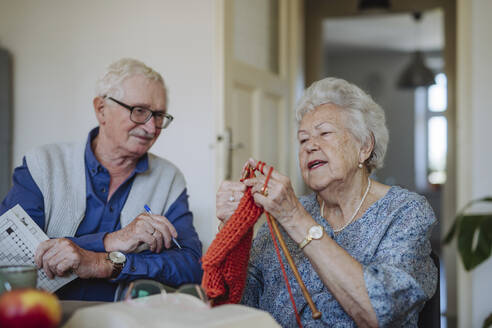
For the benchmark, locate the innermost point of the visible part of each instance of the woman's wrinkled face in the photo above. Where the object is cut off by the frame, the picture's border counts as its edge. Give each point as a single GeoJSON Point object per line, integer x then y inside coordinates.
{"type": "Point", "coordinates": [328, 152]}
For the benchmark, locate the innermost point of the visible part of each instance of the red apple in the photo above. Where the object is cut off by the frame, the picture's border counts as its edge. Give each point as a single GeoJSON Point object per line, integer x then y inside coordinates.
{"type": "Point", "coordinates": [29, 308]}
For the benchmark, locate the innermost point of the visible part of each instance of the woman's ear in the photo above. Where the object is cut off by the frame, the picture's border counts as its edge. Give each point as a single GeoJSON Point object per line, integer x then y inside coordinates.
{"type": "Point", "coordinates": [99, 107]}
{"type": "Point", "coordinates": [366, 149]}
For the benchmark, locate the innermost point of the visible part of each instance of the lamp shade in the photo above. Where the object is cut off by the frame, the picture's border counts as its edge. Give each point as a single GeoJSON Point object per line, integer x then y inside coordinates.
{"type": "Point", "coordinates": [374, 4]}
{"type": "Point", "coordinates": [416, 74]}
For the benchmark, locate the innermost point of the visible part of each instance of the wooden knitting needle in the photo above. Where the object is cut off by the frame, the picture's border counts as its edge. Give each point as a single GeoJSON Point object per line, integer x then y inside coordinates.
{"type": "Point", "coordinates": [314, 310]}
{"type": "Point", "coordinates": [248, 172]}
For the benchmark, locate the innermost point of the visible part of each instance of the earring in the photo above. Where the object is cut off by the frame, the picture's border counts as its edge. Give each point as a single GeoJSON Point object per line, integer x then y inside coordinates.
{"type": "Point", "coordinates": [360, 165]}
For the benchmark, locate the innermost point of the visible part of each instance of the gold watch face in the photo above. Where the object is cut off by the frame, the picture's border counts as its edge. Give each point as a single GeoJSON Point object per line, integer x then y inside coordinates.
{"type": "Point", "coordinates": [316, 232]}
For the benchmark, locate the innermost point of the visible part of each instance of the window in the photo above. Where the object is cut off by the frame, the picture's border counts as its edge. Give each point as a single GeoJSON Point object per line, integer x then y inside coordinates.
{"type": "Point", "coordinates": [437, 127]}
{"type": "Point", "coordinates": [431, 133]}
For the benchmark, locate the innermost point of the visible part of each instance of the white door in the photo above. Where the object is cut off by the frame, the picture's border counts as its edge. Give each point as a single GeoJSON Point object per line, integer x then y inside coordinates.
{"type": "Point", "coordinates": [256, 86]}
{"type": "Point", "coordinates": [257, 80]}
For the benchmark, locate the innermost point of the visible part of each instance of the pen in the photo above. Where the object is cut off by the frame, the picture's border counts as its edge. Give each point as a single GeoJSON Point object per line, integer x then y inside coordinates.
{"type": "Point", "coordinates": [147, 209]}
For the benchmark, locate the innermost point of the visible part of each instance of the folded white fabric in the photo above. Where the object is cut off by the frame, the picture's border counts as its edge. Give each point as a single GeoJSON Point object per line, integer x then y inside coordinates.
{"type": "Point", "coordinates": [169, 310]}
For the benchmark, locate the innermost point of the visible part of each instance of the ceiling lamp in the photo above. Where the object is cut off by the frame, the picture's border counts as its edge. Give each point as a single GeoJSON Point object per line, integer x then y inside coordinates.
{"type": "Point", "coordinates": [374, 5]}
{"type": "Point", "coordinates": [416, 74]}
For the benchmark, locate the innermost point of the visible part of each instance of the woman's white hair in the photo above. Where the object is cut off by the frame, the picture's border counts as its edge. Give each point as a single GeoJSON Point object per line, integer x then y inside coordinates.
{"type": "Point", "coordinates": [366, 119]}
{"type": "Point", "coordinates": [110, 83]}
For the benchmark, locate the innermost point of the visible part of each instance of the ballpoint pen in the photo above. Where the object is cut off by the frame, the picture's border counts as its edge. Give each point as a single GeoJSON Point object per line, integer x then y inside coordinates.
{"type": "Point", "coordinates": [147, 209]}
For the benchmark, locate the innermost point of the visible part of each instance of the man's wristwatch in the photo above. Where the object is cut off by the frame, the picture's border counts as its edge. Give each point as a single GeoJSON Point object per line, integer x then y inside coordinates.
{"type": "Point", "coordinates": [315, 232]}
{"type": "Point", "coordinates": [118, 260]}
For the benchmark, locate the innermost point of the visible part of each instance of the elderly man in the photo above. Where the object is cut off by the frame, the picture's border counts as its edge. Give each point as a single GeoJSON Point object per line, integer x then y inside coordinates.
{"type": "Point", "coordinates": [89, 197]}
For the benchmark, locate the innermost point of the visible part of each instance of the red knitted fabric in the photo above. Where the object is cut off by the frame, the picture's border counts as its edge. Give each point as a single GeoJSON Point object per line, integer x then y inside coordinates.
{"type": "Point", "coordinates": [226, 261]}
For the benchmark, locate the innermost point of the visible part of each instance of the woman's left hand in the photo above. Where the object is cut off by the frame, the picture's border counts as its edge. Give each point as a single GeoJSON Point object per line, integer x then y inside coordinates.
{"type": "Point", "coordinates": [279, 200]}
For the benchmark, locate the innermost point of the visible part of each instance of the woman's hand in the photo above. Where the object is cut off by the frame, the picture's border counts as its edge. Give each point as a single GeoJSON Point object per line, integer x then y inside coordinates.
{"type": "Point", "coordinates": [280, 200]}
{"type": "Point", "coordinates": [227, 199]}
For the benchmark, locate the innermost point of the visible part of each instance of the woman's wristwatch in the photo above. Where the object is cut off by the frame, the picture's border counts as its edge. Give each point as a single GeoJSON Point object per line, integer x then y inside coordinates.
{"type": "Point", "coordinates": [315, 232]}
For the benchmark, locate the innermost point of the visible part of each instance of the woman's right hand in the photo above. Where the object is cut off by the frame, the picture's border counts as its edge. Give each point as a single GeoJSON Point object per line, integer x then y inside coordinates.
{"type": "Point", "coordinates": [227, 199]}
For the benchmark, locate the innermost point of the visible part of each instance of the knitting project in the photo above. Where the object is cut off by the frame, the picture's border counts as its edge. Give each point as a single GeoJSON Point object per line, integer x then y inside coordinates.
{"type": "Point", "coordinates": [226, 261]}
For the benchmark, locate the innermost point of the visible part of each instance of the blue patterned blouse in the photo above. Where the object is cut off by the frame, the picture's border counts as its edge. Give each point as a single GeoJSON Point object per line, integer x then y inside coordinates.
{"type": "Point", "coordinates": [391, 241]}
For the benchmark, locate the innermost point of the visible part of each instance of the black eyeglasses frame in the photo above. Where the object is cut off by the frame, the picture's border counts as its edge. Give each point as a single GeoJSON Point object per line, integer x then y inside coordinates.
{"type": "Point", "coordinates": [165, 123]}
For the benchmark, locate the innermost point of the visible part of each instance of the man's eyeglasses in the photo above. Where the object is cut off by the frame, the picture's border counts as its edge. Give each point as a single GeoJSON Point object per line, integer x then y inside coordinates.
{"type": "Point", "coordinates": [142, 115]}
{"type": "Point", "coordinates": [146, 287]}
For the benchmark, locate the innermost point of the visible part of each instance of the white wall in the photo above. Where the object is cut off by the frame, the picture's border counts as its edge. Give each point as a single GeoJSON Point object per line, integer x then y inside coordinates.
{"type": "Point", "coordinates": [474, 135]}
{"type": "Point", "coordinates": [60, 48]}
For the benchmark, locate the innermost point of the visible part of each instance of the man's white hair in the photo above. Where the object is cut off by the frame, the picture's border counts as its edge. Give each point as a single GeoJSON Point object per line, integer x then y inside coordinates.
{"type": "Point", "coordinates": [110, 83]}
{"type": "Point", "coordinates": [365, 118]}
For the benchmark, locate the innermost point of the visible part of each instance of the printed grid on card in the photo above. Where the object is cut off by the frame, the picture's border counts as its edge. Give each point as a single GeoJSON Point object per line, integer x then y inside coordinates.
{"type": "Point", "coordinates": [19, 238]}
{"type": "Point", "coordinates": [12, 248]}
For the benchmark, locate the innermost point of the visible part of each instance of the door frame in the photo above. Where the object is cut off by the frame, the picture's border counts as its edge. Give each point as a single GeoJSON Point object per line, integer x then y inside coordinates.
{"type": "Point", "coordinates": [315, 12]}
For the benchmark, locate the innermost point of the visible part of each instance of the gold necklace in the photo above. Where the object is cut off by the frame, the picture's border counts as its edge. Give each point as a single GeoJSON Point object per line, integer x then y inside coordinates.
{"type": "Point", "coordinates": [356, 210]}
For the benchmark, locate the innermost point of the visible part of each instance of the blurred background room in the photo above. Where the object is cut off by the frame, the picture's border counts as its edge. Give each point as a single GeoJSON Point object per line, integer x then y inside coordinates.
{"type": "Point", "coordinates": [235, 69]}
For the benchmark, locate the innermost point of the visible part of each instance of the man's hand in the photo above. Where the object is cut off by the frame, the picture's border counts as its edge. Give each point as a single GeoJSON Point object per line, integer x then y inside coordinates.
{"type": "Point", "coordinates": [154, 230]}
{"type": "Point", "coordinates": [61, 256]}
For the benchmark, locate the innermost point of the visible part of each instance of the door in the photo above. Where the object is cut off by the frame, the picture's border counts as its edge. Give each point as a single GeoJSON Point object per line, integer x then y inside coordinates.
{"type": "Point", "coordinates": [257, 103]}
{"type": "Point", "coordinates": [256, 87]}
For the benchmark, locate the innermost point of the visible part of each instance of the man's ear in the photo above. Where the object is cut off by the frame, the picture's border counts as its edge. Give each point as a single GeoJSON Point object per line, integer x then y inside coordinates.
{"type": "Point", "coordinates": [366, 149]}
{"type": "Point", "coordinates": [99, 108]}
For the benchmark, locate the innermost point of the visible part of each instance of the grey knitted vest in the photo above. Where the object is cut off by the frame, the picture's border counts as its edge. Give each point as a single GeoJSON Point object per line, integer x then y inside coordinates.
{"type": "Point", "coordinates": [59, 172]}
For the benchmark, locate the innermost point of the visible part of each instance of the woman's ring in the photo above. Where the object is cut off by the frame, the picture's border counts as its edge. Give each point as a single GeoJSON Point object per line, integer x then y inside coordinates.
{"type": "Point", "coordinates": [264, 191]}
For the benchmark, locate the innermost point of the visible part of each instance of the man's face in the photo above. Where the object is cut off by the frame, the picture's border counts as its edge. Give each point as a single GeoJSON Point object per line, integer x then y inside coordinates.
{"type": "Point", "coordinates": [124, 137]}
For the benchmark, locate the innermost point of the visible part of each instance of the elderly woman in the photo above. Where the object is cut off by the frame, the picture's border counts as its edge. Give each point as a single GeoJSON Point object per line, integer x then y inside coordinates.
{"type": "Point", "coordinates": [361, 247]}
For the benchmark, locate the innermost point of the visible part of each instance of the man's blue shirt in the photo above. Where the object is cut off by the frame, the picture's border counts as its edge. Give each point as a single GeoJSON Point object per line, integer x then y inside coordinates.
{"type": "Point", "coordinates": [173, 266]}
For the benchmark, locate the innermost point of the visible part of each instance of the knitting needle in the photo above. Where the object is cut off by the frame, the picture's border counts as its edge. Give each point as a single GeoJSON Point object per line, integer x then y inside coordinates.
{"type": "Point", "coordinates": [305, 292]}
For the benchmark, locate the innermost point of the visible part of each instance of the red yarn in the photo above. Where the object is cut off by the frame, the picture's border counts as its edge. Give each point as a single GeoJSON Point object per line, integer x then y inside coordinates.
{"type": "Point", "coordinates": [226, 261]}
